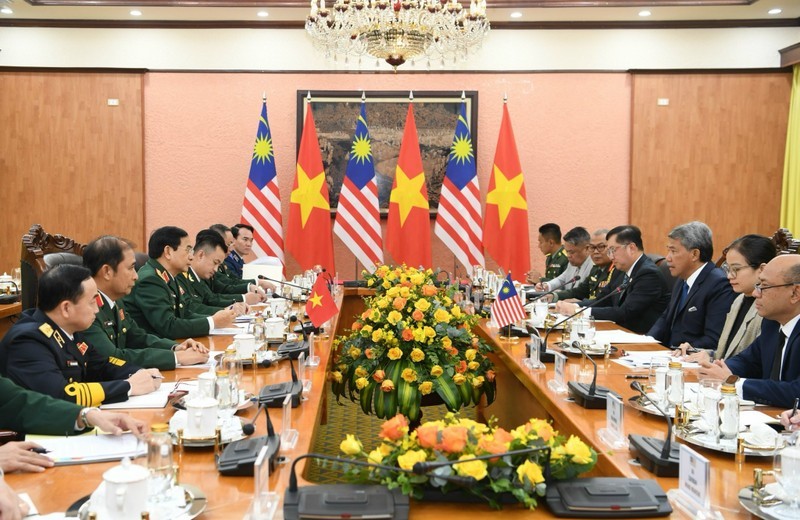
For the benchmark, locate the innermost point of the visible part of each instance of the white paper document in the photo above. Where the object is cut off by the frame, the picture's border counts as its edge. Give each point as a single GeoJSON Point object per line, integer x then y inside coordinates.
{"type": "Point", "coordinates": [620, 336]}
{"type": "Point", "coordinates": [92, 448]}
{"type": "Point", "coordinates": [230, 331]}
{"type": "Point", "coordinates": [157, 399]}
{"type": "Point", "coordinates": [641, 359]}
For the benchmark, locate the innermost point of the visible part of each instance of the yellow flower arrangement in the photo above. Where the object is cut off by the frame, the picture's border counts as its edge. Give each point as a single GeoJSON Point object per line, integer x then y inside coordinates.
{"type": "Point", "coordinates": [411, 340]}
{"type": "Point", "coordinates": [527, 457]}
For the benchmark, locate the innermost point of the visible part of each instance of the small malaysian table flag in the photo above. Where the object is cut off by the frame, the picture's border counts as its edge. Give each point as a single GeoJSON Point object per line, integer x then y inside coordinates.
{"type": "Point", "coordinates": [507, 308]}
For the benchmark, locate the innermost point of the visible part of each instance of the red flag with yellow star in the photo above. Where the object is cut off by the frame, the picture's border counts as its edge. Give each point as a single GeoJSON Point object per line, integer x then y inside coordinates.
{"type": "Point", "coordinates": [320, 306]}
{"type": "Point", "coordinates": [408, 229]}
{"type": "Point", "coordinates": [308, 237]}
{"type": "Point", "coordinates": [505, 223]}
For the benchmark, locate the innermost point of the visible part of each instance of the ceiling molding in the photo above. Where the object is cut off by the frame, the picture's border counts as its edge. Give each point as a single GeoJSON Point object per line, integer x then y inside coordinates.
{"type": "Point", "coordinates": [790, 55]}
{"type": "Point", "coordinates": [512, 4]}
{"type": "Point", "coordinates": [298, 24]}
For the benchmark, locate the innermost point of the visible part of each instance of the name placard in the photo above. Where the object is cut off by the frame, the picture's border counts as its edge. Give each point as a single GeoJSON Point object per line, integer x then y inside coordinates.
{"type": "Point", "coordinates": [614, 416]}
{"type": "Point", "coordinates": [693, 477]}
{"type": "Point", "coordinates": [560, 369]}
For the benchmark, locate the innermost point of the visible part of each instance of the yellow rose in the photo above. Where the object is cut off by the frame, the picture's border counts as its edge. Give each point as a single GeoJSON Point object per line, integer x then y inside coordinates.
{"type": "Point", "coordinates": [441, 316]}
{"type": "Point", "coordinates": [557, 453]}
{"type": "Point", "coordinates": [392, 276]}
{"type": "Point", "coordinates": [394, 317]}
{"type": "Point", "coordinates": [361, 383]}
{"type": "Point", "coordinates": [394, 291]}
{"type": "Point", "coordinates": [456, 311]}
{"type": "Point", "coordinates": [475, 468]}
{"type": "Point", "coordinates": [470, 354]}
{"type": "Point", "coordinates": [581, 453]}
{"type": "Point", "coordinates": [377, 335]}
{"type": "Point", "coordinates": [417, 278]}
{"type": "Point", "coordinates": [422, 305]}
{"type": "Point", "coordinates": [477, 382]}
{"type": "Point", "coordinates": [354, 352]}
{"type": "Point", "coordinates": [366, 330]}
{"type": "Point", "coordinates": [395, 353]}
{"type": "Point", "coordinates": [459, 379]}
{"type": "Point", "coordinates": [447, 342]}
{"type": "Point", "coordinates": [361, 372]}
{"type": "Point", "coordinates": [473, 365]}
{"type": "Point", "coordinates": [409, 375]}
{"type": "Point", "coordinates": [350, 445]}
{"type": "Point", "coordinates": [409, 458]}
{"type": "Point", "coordinates": [436, 371]}
{"type": "Point", "coordinates": [370, 282]}
{"type": "Point", "coordinates": [375, 456]}
{"type": "Point", "coordinates": [426, 388]}
{"type": "Point", "coordinates": [375, 315]}
{"type": "Point", "coordinates": [337, 376]}
{"type": "Point", "coordinates": [419, 335]}
{"type": "Point", "coordinates": [405, 292]}
{"type": "Point", "coordinates": [417, 355]}
{"type": "Point", "coordinates": [382, 303]}
{"type": "Point", "coordinates": [386, 283]}
{"type": "Point", "coordinates": [429, 332]}
{"type": "Point", "coordinates": [531, 472]}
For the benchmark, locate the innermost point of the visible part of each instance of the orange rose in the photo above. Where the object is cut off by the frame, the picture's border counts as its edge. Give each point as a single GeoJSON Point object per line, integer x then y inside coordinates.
{"type": "Point", "coordinates": [418, 315]}
{"type": "Point", "coordinates": [366, 314]}
{"type": "Point", "coordinates": [407, 334]}
{"type": "Point", "coordinates": [490, 375]}
{"type": "Point", "coordinates": [491, 446]}
{"type": "Point", "coordinates": [387, 385]}
{"type": "Point", "coordinates": [369, 353]}
{"type": "Point", "coordinates": [475, 342]}
{"type": "Point", "coordinates": [454, 439]}
{"type": "Point", "coordinates": [502, 436]}
{"type": "Point", "coordinates": [356, 325]}
{"type": "Point", "coordinates": [461, 367]}
{"type": "Point", "coordinates": [429, 290]}
{"type": "Point", "coordinates": [427, 436]}
{"type": "Point", "coordinates": [394, 428]}
{"type": "Point", "coordinates": [399, 303]}
{"type": "Point", "coordinates": [379, 376]}
{"type": "Point", "coordinates": [453, 351]}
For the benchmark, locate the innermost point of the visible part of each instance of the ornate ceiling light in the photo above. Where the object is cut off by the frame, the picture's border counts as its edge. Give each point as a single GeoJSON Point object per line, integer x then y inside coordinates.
{"type": "Point", "coordinates": [398, 31]}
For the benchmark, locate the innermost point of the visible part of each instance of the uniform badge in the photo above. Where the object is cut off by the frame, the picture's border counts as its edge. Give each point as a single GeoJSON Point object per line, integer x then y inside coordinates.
{"type": "Point", "coordinates": [99, 300]}
{"type": "Point", "coordinates": [46, 329]}
{"type": "Point", "coordinates": [181, 290]}
{"type": "Point", "coordinates": [116, 361]}
{"type": "Point", "coordinates": [59, 338]}
{"type": "Point", "coordinates": [164, 276]}
{"type": "Point", "coordinates": [121, 315]}
{"type": "Point", "coordinates": [83, 347]}
{"type": "Point", "coordinates": [124, 330]}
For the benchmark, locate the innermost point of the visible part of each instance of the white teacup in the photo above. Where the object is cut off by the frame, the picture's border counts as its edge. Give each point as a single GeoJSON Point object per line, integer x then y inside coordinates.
{"type": "Point", "coordinates": [274, 327]}
{"type": "Point", "coordinates": [245, 345]}
{"type": "Point", "coordinates": [201, 418]}
{"type": "Point", "coordinates": [277, 306]}
{"type": "Point", "coordinates": [126, 490]}
{"type": "Point", "coordinates": [206, 385]}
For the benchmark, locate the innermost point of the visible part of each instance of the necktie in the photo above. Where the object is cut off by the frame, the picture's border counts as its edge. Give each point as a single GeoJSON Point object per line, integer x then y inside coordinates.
{"type": "Point", "coordinates": [775, 375]}
{"type": "Point", "coordinates": [684, 295]}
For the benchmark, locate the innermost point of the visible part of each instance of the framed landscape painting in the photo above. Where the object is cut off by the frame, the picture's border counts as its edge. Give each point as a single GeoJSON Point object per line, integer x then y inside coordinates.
{"type": "Point", "coordinates": [435, 113]}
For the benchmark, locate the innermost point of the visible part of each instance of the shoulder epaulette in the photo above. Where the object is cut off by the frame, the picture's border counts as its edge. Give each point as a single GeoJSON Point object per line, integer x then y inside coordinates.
{"type": "Point", "coordinates": [46, 329]}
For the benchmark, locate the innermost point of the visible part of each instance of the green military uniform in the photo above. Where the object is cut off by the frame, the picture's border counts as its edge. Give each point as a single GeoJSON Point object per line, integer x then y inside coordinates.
{"type": "Point", "coordinates": [160, 306]}
{"type": "Point", "coordinates": [555, 264]}
{"type": "Point", "coordinates": [205, 289]}
{"type": "Point", "coordinates": [195, 300]}
{"type": "Point", "coordinates": [26, 411]}
{"type": "Point", "coordinates": [115, 333]}
{"type": "Point", "coordinates": [600, 281]}
{"type": "Point", "coordinates": [226, 282]}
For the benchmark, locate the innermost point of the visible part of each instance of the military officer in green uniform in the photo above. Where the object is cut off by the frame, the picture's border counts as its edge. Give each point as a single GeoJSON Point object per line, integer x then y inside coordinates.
{"type": "Point", "coordinates": [46, 352]}
{"type": "Point", "coordinates": [602, 278]}
{"type": "Point", "coordinates": [114, 333]}
{"type": "Point", "coordinates": [225, 281]}
{"type": "Point", "coordinates": [555, 260]}
{"type": "Point", "coordinates": [158, 303]}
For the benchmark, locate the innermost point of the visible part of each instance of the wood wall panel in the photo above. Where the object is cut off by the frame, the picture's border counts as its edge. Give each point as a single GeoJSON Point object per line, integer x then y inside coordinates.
{"type": "Point", "coordinates": [714, 154]}
{"type": "Point", "coordinates": [68, 160]}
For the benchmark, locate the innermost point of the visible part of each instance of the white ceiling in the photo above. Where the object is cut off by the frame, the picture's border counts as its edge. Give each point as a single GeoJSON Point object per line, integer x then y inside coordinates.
{"type": "Point", "coordinates": [758, 10]}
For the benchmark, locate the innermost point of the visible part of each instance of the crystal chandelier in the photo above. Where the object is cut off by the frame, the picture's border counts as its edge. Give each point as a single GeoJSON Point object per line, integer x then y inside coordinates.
{"type": "Point", "coordinates": [398, 31]}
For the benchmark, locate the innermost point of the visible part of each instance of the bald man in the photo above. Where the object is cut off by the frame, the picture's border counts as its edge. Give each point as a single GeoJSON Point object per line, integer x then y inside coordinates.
{"type": "Point", "coordinates": [769, 369]}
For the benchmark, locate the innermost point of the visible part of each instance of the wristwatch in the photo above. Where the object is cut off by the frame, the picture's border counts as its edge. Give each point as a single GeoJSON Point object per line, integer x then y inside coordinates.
{"type": "Point", "coordinates": [84, 418]}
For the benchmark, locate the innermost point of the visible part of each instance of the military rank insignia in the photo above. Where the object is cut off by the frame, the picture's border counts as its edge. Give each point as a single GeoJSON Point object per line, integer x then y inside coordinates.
{"type": "Point", "coordinates": [181, 290]}
{"type": "Point", "coordinates": [46, 329]}
{"type": "Point", "coordinates": [164, 276]}
{"type": "Point", "coordinates": [83, 347]}
{"type": "Point", "coordinates": [121, 315]}
{"type": "Point", "coordinates": [99, 300]}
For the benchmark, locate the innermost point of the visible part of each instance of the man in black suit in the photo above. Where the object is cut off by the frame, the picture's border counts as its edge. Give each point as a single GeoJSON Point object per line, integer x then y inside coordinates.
{"type": "Point", "coordinates": [701, 296]}
{"type": "Point", "coordinates": [638, 305]}
{"type": "Point", "coordinates": [770, 367]}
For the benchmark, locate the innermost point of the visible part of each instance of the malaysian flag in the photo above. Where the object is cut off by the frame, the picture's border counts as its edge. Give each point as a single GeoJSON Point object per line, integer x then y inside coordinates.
{"type": "Point", "coordinates": [458, 223]}
{"type": "Point", "coordinates": [357, 218]}
{"type": "Point", "coordinates": [507, 308]}
{"type": "Point", "coordinates": [262, 202]}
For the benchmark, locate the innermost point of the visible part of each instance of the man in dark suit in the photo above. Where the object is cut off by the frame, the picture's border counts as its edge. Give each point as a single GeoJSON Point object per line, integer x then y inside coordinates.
{"type": "Point", "coordinates": [770, 367]}
{"type": "Point", "coordinates": [638, 305]}
{"type": "Point", "coordinates": [701, 296]}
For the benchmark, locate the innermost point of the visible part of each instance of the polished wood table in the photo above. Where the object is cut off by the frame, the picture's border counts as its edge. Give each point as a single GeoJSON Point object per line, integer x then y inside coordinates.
{"type": "Point", "coordinates": [522, 394]}
{"type": "Point", "coordinates": [8, 312]}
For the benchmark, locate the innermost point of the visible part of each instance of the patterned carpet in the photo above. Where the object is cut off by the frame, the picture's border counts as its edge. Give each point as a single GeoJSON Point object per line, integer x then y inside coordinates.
{"type": "Point", "coordinates": [347, 417]}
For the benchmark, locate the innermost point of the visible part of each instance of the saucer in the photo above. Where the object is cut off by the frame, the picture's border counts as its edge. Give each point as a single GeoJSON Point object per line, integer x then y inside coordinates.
{"type": "Point", "coordinates": [195, 503]}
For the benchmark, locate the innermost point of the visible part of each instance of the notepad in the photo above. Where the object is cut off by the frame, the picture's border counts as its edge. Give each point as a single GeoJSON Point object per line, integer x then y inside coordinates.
{"type": "Point", "coordinates": [82, 449]}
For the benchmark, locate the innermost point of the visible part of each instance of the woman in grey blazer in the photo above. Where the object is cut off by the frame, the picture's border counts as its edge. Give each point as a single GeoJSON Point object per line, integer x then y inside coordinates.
{"type": "Point", "coordinates": [745, 258]}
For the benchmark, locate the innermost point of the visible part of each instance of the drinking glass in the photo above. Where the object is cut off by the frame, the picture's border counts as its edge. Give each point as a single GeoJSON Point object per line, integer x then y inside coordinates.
{"type": "Point", "coordinates": [787, 473]}
{"type": "Point", "coordinates": [657, 377]}
{"type": "Point", "coordinates": [16, 277]}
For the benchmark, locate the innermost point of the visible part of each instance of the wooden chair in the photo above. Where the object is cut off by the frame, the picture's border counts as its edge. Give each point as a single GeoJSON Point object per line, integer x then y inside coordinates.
{"type": "Point", "coordinates": [785, 243]}
{"type": "Point", "coordinates": [41, 251]}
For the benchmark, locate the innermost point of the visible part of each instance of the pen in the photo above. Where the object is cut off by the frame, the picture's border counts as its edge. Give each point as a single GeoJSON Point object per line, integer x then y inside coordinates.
{"type": "Point", "coordinates": [635, 376]}
{"type": "Point", "coordinates": [794, 408]}
{"type": "Point", "coordinates": [40, 451]}
{"type": "Point", "coordinates": [158, 377]}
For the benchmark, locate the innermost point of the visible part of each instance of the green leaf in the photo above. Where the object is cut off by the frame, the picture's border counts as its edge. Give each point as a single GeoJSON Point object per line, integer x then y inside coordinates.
{"type": "Point", "coordinates": [447, 390]}
{"type": "Point", "coordinates": [490, 389]}
{"type": "Point", "coordinates": [365, 397]}
{"type": "Point", "coordinates": [408, 399]}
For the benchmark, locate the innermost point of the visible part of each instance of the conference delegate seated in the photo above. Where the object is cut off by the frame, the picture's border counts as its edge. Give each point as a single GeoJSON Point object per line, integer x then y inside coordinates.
{"type": "Point", "coordinates": [770, 367]}
{"type": "Point", "coordinates": [745, 259]}
{"type": "Point", "coordinates": [555, 259]}
{"type": "Point", "coordinates": [701, 296]}
{"type": "Point", "coordinates": [640, 303]}
{"type": "Point", "coordinates": [603, 277]}
{"type": "Point", "coordinates": [157, 303]}
{"type": "Point", "coordinates": [112, 263]}
{"type": "Point", "coordinates": [46, 352]}
{"type": "Point", "coordinates": [576, 247]}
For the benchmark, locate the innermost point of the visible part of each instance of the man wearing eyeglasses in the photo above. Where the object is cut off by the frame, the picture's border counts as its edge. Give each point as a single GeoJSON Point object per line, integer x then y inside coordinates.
{"type": "Point", "coordinates": [701, 296]}
{"type": "Point", "coordinates": [602, 278]}
{"type": "Point", "coordinates": [637, 306]}
{"type": "Point", "coordinates": [576, 247]}
{"type": "Point", "coordinates": [157, 303]}
{"type": "Point", "coordinates": [769, 369]}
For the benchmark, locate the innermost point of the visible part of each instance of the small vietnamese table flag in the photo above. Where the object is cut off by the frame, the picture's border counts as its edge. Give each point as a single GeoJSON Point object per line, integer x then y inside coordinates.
{"type": "Point", "coordinates": [320, 306]}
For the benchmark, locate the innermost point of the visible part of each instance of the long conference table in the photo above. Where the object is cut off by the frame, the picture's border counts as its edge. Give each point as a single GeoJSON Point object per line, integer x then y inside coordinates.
{"type": "Point", "coordinates": [522, 394]}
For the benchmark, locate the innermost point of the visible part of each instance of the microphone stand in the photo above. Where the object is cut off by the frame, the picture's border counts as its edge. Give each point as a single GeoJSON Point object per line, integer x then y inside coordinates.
{"type": "Point", "coordinates": [656, 456]}
{"type": "Point", "coordinates": [551, 291]}
{"type": "Point", "coordinates": [588, 396]}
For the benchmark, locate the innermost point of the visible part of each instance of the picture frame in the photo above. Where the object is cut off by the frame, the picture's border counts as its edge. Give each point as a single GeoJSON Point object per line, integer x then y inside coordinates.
{"type": "Point", "coordinates": [435, 114]}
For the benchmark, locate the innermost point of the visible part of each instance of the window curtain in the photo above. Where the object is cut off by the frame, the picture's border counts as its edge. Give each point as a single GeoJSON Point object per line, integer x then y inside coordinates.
{"type": "Point", "coordinates": [790, 195]}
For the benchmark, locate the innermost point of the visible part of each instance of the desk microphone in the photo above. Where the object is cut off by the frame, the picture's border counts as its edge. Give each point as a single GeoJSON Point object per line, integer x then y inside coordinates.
{"type": "Point", "coordinates": [272, 396]}
{"type": "Point", "coordinates": [262, 277]}
{"type": "Point", "coordinates": [588, 396]}
{"type": "Point", "coordinates": [656, 456]}
{"type": "Point", "coordinates": [551, 291]}
{"type": "Point", "coordinates": [239, 457]}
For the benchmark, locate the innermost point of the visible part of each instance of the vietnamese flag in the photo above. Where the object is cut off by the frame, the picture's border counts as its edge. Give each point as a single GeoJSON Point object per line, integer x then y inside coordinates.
{"type": "Point", "coordinates": [408, 229]}
{"type": "Point", "coordinates": [505, 223]}
{"type": "Point", "coordinates": [320, 306]}
{"type": "Point", "coordinates": [308, 237]}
